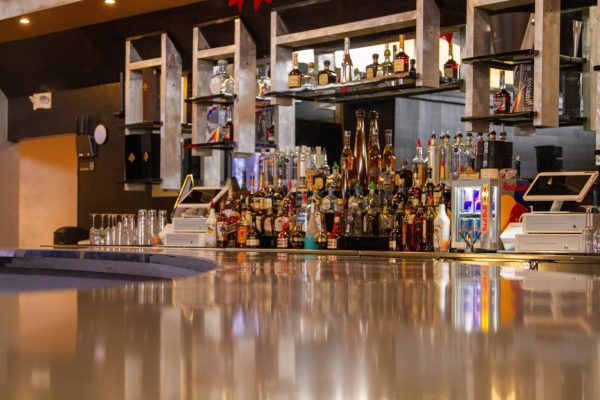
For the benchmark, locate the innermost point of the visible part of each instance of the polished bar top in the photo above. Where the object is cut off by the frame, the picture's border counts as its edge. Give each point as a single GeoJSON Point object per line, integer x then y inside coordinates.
{"type": "Point", "coordinates": [306, 326]}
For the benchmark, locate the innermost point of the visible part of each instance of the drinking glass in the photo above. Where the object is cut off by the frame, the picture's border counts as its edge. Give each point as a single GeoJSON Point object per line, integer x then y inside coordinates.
{"type": "Point", "coordinates": [94, 232]}
{"type": "Point", "coordinates": [588, 231]}
{"type": "Point", "coordinates": [103, 230]}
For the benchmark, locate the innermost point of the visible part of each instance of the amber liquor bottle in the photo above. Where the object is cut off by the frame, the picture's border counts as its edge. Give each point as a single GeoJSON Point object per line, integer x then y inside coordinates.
{"type": "Point", "coordinates": [295, 75]}
{"type": "Point", "coordinates": [395, 242]}
{"type": "Point", "coordinates": [372, 69]}
{"type": "Point", "coordinates": [427, 222]}
{"type": "Point", "coordinates": [401, 59]}
{"type": "Point", "coordinates": [388, 158]}
{"type": "Point", "coordinates": [326, 76]}
{"type": "Point", "coordinates": [502, 99]}
{"type": "Point", "coordinates": [451, 66]}
{"type": "Point", "coordinates": [360, 151]}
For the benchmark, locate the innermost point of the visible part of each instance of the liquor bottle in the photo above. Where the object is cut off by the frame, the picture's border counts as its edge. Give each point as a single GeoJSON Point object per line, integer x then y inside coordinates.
{"type": "Point", "coordinates": [241, 236]}
{"type": "Point", "coordinates": [296, 238]}
{"type": "Point", "coordinates": [211, 228]}
{"type": "Point", "coordinates": [222, 81]}
{"type": "Point", "coordinates": [388, 158]}
{"type": "Point", "coordinates": [347, 162]}
{"type": "Point", "coordinates": [428, 188]}
{"type": "Point", "coordinates": [311, 232]}
{"type": "Point", "coordinates": [295, 75]}
{"type": "Point", "coordinates": [428, 228]}
{"type": "Point", "coordinates": [433, 156]}
{"type": "Point", "coordinates": [283, 237]}
{"type": "Point", "coordinates": [451, 66]}
{"type": "Point", "coordinates": [263, 83]}
{"type": "Point", "coordinates": [370, 222]}
{"type": "Point", "coordinates": [232, 222]}
{"type": "Point", "coordinates": [415, 191]}
{"type": "Point", "coordinates": [360, 151]}
{"type": "Point", "coordinates": [401, 59]}
{"type": "Point", "coordinates": [385, 187]}
{"type": "Point", "coordinates": [322, 236]}
{"type": "Point", "coordinates": [374, 157]}
{"type": "Point", "coordinates": [347, 68]}
{"type": "Point", "coordinates": [395, 242]}
{"type": "Point", "coordinates": [385, 222]}
{"type": "Point", "coordinates": [302, 213]}
{"type": "Point", "coordinates": [403, 174]}
{"type": "Point", "coordinates": [326, 76]}
{"type": "Point", "coordinates": [387, 66]}
{"type": "Point", "coordinates": [441, 226]}
{"type": "Point", "coordinates": [309, 80]}
{"type": "Point", "coordinates": [412, 71]}
{"type": "Point", "coordinates": [356, 208]}
{"type": "Point", "coordinates": [253, 236]}
{"type": "Point", "coordinates": [417, 229]}
{"type": "Point", "coordinates": [372, 70]}
{"type": "Point", "coordinates": [400, 196]}
{"type": "Point", "coordinates": [268, 222]}
{"type": "Point", "coordinates": [278, 222]}
{"type": "Point", "coordinates": [457, 154]}
{"type": "Point", "coordinates": [394, 52]}
{"type": "Point", "coordinates": [334, 179]}
{"type": "Point", "coordinates": [407, 227]}
{"type": "Point", "coordinates": [371, 199]}
{"type": "Point", "coordinates": [445, 159]}
{"type": "Point", "coordinates": [469, 156]}
{"type": "Point", "coordinates": [228, 127]}
{"type": "Point", "coordinates": [373, 126]}
{"type": "Point", "coordinates": [356, 76]}
{"type": "Point", "coordinates": [502, 99]}
{"type": "Point", "coordinates": [419, 162]}
{"type": "Point", "coordinates": [222, 228]}
{"type": "Point", "coordinates": [335, 237]}
{"type": "Point", "coordinates": [329, 203]}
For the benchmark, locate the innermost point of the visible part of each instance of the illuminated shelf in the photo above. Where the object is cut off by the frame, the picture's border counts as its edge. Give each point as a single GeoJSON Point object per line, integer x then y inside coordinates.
{"type": "Point", "coordinates": [520, 118]}
{"type": "Point", "coordinates": [374, 89]}
{"type": "Point", "coordinates": [510, 59]}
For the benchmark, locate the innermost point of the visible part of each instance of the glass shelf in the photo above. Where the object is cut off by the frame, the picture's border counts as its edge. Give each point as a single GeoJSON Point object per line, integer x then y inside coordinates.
{"type": "Point", "coordinates": [372, 89]}
{"type": "Point", "coordinates": [144, 126]}
{"type": "Point", "coordinates": [520, 118]}
{"type": "Point", "coordinates": [508, 60]}
{"type": "Point", "coordinates": [212, 146]}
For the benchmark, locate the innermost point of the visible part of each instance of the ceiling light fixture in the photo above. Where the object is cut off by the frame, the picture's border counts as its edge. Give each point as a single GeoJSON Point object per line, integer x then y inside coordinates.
{"type": "Point", "coordinates": [109, 1]}
{"type": "Point", "coordinates": [24, 21]}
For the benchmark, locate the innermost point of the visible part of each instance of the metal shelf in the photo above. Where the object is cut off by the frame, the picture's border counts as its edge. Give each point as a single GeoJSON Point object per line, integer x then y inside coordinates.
{"type": "Point", "coordinates": [144, 126]}
{"type": "Point", "coordinates": [226, 146]}
{"type": "Point", "coordinates": [520, 118]}
{"type": "Point", "coordinates": [508, 60]}
{"type": "Point", "coordinates": [374, 89]}
{"type": "Point", "coordinates": [212, 99]}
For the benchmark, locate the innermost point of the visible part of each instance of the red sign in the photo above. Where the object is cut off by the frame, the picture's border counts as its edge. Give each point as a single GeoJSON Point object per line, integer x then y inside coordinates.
{"type": "Point", "coordinates": [240, 4]}
{"type": "Point", "coordinates": [485, 210]}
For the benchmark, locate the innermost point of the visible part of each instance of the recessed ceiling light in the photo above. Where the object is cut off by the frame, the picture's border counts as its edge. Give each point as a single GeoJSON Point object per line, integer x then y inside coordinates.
{"type": "Point", "coordinates": [24, 21]}
{"type": "Point", "coordinates": [109, 1]}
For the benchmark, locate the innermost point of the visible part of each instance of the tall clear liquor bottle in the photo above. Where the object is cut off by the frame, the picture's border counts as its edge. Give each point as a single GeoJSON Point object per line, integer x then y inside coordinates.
{"type": "Point", "coordinates": [433, 156]}
{"type": "Point", "coordinates": [395, 241]}
{"type": "Point", "coordinates": [347, 68]}
{"type": "Point", "coordinates": [295, 75]}
{"type": "Point", "coordinates": [360, 151]}
{"type": "Point", "coordinates": [419, 163]}
{"type": "Point", "coordinates": [428, 188]}
{"type": "Point", "coordinates": [401, 59]}
{"type": "Point", "coordinates": [374, 157]}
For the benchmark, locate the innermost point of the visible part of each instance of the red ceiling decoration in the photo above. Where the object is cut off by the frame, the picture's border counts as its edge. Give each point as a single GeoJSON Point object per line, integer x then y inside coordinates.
{"type": "Point", "coordinates": [240, 4]}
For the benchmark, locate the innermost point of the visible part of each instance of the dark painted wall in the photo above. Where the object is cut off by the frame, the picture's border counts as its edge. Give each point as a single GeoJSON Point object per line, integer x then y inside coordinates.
{"type": "Point", "coordinates": [100, 190]}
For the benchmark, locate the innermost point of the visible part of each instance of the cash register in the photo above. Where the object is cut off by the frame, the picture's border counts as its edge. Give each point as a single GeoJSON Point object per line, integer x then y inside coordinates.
{"type": "Point", "coordinates": [556, 231]}
{"type": "Point", "coordinates": [190, 214]}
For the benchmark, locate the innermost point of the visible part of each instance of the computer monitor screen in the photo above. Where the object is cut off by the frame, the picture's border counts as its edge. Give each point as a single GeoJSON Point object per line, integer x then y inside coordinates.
{"type": "Point", "coordinates": [201, 196]}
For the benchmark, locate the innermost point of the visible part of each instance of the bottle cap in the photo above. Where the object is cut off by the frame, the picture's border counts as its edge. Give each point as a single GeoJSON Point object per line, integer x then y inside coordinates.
{"type": "Point", "coordinates": [418, 142]}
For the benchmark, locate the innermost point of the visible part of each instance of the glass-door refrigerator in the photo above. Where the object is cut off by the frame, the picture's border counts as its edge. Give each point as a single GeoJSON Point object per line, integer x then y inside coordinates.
{"type": "Point", "coordinates": [482, 208]}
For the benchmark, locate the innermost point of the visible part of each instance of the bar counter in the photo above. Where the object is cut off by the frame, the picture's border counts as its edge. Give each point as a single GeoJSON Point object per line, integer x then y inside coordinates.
{"type": "Point", "coordinates": [309, 325]}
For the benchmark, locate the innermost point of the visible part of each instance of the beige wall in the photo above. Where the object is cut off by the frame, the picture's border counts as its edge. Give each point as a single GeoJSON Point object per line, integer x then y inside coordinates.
{"type": "Point", "coordinates": [9, 182]}
{"type": "Point", "coordinates": [48, 188]}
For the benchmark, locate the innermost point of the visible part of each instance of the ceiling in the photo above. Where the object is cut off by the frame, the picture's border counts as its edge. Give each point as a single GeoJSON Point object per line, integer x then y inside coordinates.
{"type": "Point", "coordinates": [49, 16]}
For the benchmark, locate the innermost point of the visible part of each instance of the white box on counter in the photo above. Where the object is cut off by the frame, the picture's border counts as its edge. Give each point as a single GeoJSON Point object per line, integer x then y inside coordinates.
{"type": "Point", "coordinates": [185, 239]}
{"type": "Point", "coordinates": [189, 224]}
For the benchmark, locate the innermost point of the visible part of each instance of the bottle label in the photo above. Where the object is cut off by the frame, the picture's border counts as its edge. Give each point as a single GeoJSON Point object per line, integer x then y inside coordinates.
{"type": "Point", "coordinates": [221, 231]}
{"type": "Point", "coordinates": [278, 225]}
{"type": "Point", "coordinates": [294, 81]}
{"type": "Point", "coordinates": [392, 245]}
{"type": "Point", "coordinates": [215, 85]}
{"type": "Point", "coordinates": [325, 204]}
{"type": "Point", "coordinates": [400, 67]}
{"type": "Point", "coordinates": [252, 242]}
{"type": "Point", "coordinates": [318, 183]}
{"type": "Point", "coordinates": [257, 203]}
{"type": "Point", "coordinates": [370, 73]}
{"type": "Point", "coordinates": [449, 72]}
{"type": "Point", "coordinates": [268, 226]}
{"type": "Point", "coordinates": [242, 234]}
{"type": "Point", "coordinates": [332, 244]}
{"type": "Point", "coordinates": [282, 243]}
{"type": "Point", "coordinates": [267, 203]}
{"type": "Point", "coordinates": [323, 79]}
